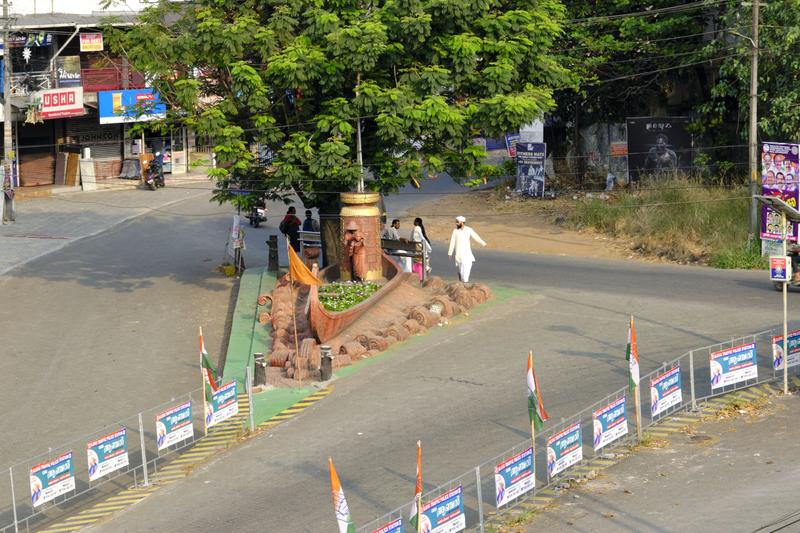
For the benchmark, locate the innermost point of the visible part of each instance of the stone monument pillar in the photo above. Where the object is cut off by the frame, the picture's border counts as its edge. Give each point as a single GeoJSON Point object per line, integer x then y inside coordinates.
{"type": "Point", "coordinates": [361, 214]}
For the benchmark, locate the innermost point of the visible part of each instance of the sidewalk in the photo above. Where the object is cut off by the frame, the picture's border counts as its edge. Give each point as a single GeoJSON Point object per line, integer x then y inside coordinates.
{"type": "Point", "coordinates": [47, 224]}
{"type": "Point", "coordinates": [729, 473]}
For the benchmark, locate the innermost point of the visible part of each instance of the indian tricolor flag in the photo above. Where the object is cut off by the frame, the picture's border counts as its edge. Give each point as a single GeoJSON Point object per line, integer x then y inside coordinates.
{"type": "Point", "coordinates": [632, 355]}
{"type": "Point", "coordinates": [536, 410]}
{"type": "Point", "coordinates": [416, 505]}
{"type": "Point", "coordinates": [339, 503]}
{"type": "Point", "coordinates": [209, 374]}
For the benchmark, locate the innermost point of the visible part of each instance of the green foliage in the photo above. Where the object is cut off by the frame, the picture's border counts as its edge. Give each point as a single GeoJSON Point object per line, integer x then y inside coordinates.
{"type": "Point", "coordinates": [292, 75]}
{"type": "Point", "coordinates": [339, 296]}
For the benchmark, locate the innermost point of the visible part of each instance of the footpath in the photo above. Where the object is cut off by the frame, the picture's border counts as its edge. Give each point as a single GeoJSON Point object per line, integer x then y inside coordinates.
{"type": "Point", "coordinates": [735, 470]}
{"type": "Point", "coordinates": [47, 224]}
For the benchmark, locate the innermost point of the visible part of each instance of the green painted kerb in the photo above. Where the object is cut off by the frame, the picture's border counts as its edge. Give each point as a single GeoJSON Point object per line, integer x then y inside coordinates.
{"type": "Point", "coordinates": [247, 335]}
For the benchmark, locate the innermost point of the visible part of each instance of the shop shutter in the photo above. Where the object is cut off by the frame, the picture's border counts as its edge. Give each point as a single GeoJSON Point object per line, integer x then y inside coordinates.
{"type": "Point", "coordinates": [105, 140]}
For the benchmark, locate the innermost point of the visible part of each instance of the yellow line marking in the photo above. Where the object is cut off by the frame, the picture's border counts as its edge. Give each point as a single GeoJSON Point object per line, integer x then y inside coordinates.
{"type": "Point", "coordinates": [94, 517]}
{"type": "Point", "coordinates": [116, 506]}
{"type": "Point", "coordinates": [61, 529]}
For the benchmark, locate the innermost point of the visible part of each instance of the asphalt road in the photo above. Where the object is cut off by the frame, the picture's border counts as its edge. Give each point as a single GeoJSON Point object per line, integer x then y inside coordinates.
{"type": "Point", "coordinates": [461, 391]}
{"type": "Point", "coordinates": [101, 329]}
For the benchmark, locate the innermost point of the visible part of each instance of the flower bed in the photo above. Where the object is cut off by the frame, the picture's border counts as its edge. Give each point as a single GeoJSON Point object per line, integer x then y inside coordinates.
{"type": "Point", "coordinates": [342, 295]}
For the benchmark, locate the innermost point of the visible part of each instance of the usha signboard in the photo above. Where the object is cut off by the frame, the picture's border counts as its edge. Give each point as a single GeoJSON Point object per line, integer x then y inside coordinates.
{"type": "Point", "coordinates": [61, 103]}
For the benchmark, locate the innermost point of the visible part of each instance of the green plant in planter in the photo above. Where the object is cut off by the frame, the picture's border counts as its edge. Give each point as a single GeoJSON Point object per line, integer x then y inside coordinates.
{"type": "Point", "coordinates": [342, 295]}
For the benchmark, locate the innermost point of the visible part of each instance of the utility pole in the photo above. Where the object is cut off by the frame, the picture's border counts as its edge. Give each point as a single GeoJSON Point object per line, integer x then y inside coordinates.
{"type": "Point", "coordinates": [8, 149]}
{"type": "Point", "coordinates": [359, 153]}
{"type": "Point", "coordinates": [753, 141]}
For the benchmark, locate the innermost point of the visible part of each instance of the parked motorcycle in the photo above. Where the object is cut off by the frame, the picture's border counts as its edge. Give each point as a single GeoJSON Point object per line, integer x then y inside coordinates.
{"type": "Point", "coordinates": [155, 173]}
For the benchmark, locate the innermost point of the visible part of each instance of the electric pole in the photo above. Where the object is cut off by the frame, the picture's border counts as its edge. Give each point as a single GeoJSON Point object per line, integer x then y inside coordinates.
{"type": "Point", "coordinates": [8, 148]}
{"type": "Point", "coordinates": [753, 141]}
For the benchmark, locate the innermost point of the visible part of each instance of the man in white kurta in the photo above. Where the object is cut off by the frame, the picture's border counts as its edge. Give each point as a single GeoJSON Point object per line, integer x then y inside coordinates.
{"type": "Point", "coordinates": [461, 245]}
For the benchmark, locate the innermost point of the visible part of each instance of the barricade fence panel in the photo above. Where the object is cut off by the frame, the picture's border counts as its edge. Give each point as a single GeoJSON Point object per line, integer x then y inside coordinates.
{"type": "Point", "coordinates": [98, 466]}
{"type": "Point", "coordinates": [47, 486]}
{"type": "Point", "coordinates": [678, 383]}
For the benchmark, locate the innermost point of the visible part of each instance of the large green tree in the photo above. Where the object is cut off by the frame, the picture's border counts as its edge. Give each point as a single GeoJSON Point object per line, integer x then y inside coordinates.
{"type": "Point", "coordinates": [294, 76]}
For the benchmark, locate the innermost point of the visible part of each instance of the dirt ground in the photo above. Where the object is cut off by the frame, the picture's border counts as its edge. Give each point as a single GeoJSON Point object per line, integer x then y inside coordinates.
{"type": "Point", "coordinates": [508, 223]}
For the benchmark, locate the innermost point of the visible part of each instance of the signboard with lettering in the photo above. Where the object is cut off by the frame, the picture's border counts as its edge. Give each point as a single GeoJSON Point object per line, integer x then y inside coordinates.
{"type": "Point", "coordinates": [665, 391]}
{"type": "Point", "coordinates": [222, 405]}
{"type": "Point", "coordinates": [174, 425]}
{"type": "Point", "coordinates": [68, 71]}
{"type": "Point", "coordinates": [91, 42]}
{"type": "Point", "coordinates": [733, 365]}
{"type": "Point", "coordinates": [61, 103]}
{"type": "Point", "coordinates": [610, 423]}
{"type": "Point", "coordinates": [52, 479]}
{"type": "Point", "coordinates": [564, 449]}
{"type": "Point", "coordinates": [444, 514]}
{"type": "Point", "coordinates": [530, 168]}
{"type": "Point", "coordinates": [107, 454]}
{"type": "Point", "coordinates": [514, 477]}
{"type": "Point", "coordinates": [132, 105]}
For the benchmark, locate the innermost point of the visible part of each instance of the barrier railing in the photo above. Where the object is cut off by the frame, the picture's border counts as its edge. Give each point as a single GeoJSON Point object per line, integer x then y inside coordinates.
{"type": "Point", "coordinates": [478, 484]}
{"type": "Point", "coordinates": [23, 512]}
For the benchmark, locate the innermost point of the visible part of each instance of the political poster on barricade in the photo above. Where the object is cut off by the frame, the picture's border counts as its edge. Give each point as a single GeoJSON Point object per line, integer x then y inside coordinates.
{"type": "Point", "coordinates": [564, 449]}
{"type": "Point", "coordinates": [530, 168]}
{"type": "Point", "coordinates": [733, 365]}
{"type": "Point", "coordinates": [780, 164]}
{"type": "Point", "coordinates": [395, 526]}
{"type": "Point", "coordinates": [793, 344]}
{"type": "Point", "coordinates": [444, 514]}
{"type": "Point", "coordinates": [610, 423]}
{"type": "Point", "coordinates": [223, 405]}
{"type": "Point", "coordinates": [52, 479]}
{"type": "Point", "coordinates": [665, 391]}
{"type": "Point", "coordinates": [107, 454]}
{"type": "Point", "coordinates": [514, 477]}
{"type": "Point", "coordinates": [174, 425]}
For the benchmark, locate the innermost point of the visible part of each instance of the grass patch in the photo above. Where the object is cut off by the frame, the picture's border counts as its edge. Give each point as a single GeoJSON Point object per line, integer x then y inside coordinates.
{"type": "Point", "coordinates": [677, 220]}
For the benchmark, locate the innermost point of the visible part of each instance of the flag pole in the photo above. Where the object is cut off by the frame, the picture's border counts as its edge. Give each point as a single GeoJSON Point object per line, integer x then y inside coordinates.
{"type": "Point", "coordinates": [203, 381]}
{"type": "Point", "coordinates": [636, 399]}
{"type": "Point", "coordinates": [294, 312]}
{"type": "Point", "coordinates": [419, 495]}
{"type": "Point", "coordinates": [533, 426]}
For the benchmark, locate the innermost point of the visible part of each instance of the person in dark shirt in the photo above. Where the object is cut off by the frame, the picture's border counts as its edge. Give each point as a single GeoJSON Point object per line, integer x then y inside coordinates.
{"type": "Point", "coordinates": [309, 224]}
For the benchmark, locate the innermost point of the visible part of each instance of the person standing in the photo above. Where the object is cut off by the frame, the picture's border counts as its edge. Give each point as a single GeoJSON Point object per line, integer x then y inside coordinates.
{"type": "Point", "coordinates": [309, 224]}
{"type": "Point", "coordinates": [460, 243]}
{"type": "Point", "coordinates": [290, 226]}
{"type": "Point", "coordinates": [392, 233]}
{"type": "Point", "coordinates": [418, 235]}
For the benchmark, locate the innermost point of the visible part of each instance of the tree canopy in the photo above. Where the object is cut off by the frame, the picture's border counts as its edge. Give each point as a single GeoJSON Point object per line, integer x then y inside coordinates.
{"type": "Point", "coordinates": [294, 76]}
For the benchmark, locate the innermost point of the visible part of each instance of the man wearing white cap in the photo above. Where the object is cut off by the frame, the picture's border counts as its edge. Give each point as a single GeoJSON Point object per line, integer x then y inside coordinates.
{"type": "Point", "coordinates": [461, 245]}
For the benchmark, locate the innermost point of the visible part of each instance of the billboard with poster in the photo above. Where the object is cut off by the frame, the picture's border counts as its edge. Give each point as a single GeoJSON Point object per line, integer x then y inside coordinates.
{"type": "Point", "coordinates": [530, 168]}
{"type": "Point", "coordinates": [779, 177]}
{"type": "Point", "coordinates": [658, 147]}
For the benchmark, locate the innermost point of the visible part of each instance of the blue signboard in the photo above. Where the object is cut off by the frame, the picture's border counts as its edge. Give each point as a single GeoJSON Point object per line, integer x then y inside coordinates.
{"type": "Point", "coordinates": [395, 526]}
{"type": "Point", "coordinates": [665, 391]}
{"type": "Point", "coordinates": [444, 514]}
{"type": "Point", "coordinates": [514, 477]}
{"type": "Point", "coordinates": [733, 365]}
{"type": "Point", "coordinates": [132, 105]}
{"type": "Point", "coordinates": [610, 423]}
{"type": "Point", "coordinates": [794, 350]}
{"type": "Point", "coordinates": [564, 449]}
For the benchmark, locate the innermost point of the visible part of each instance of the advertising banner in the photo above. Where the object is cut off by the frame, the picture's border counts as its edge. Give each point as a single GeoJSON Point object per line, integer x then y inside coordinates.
{"type": "Point", "coordinates": [61, 103]}
{"type": "Point", "coordinates": [511, 144]}
{"type": "Point", "coordinates": [564, 449]}
{"type": "Point", "coordinates": [30, 40]}
{"type": "Point", "coordinates": [174, 425]}
{"type": "Point", "coordinates": [514, 477]}
{"type": "Point", "coordinates": [780, 268]}
{"type": "Point", "coordinates": [530, 168]}
{"type": "Point", "coordinates": [395, 526]}
{"type": "Point", "coordinates": [131, 105]}
{"type": "Point", "coordinates": [779, 175]}
{"type": "Point", "coordinates": [52, 479]}
{"type": "Point", "coordinates": [793, 344]}
{"type": "Point", "coordinates": [91, 42]}
{"type": "Point", "coordinates": [107, 454]}
{"type": "Point", "coordinates": [68, 71]}
{"type": "Point", "coordinates": [444, 514]}
{"type": "Point", "coordinates": [665, 391]}
{"type": "Point", "coordinates": [658, 147]}
{"type": "Point", "coordinates": [733, 365]}
{"type": "Point", "coordinates": [610, 423]}
{"type": "Point", "coordinates": [223, 405]}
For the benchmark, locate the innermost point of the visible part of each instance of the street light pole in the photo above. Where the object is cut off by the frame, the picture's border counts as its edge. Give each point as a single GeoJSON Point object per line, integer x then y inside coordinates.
{"type": "Point", "coordinates": [8, 149]}
{"type": "Point", "coordinates": [753, 141]}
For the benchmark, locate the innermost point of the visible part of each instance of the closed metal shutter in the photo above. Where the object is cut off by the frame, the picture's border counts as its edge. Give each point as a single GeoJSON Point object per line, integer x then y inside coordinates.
{"type": "Point", "coordinates": [105, 140]}
{"type": "Point", "coordinates": [37, 157]}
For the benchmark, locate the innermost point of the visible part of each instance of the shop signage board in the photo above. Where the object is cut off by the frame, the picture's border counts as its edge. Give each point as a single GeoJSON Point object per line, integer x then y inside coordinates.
{"type": "Point", "coordinates": [91, 42]}
{"type": "Point", "coordinates": [130, 105]}
{"type": "Point", "coordinates": [61, 103]}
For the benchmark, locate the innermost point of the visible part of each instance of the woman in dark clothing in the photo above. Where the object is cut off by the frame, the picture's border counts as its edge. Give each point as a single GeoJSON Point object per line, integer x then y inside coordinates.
{"type": "Point", "coordinates": [290, 226]}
